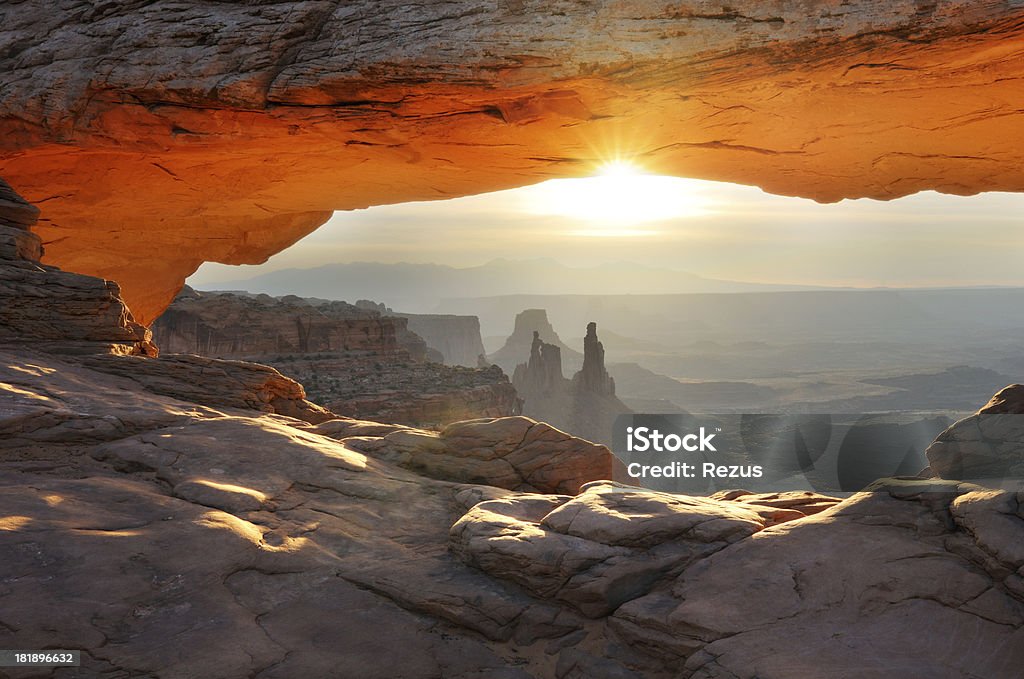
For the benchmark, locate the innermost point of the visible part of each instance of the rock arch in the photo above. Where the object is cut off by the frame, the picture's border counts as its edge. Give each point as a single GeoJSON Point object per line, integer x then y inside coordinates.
{"type": "Point", "coordinates": [156, 136]}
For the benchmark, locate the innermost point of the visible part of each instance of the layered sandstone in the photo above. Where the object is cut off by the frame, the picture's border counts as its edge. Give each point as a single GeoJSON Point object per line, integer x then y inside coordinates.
{"type": "Point", "coordinates": [238, 128]}
{"type": "Point", "coordinates": [352, 359]}
{"type": "Point", "coordinates": [420, 394]}
{"type": "Point", "coordinates": [457, 338]}
{"type": "Point", "coordinates": [229, 325]}
{"type": "Point", "coordinates": [44, 307]}
{"type": "Point", "coordinates": [85, 318]}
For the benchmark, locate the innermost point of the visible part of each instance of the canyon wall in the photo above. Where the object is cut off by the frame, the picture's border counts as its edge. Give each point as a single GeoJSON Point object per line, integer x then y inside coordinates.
{"type": "Point", "coordinates": [159, 135]}
{"type": "Point", "coordinates": [247, 326]}
{"type": "Point", "coordinates": [352, 359]}
{"type": "Point", "coordinates": [456, 337]}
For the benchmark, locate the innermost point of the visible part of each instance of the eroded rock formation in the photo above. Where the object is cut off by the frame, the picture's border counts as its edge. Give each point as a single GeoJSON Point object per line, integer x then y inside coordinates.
{"type": "Point", "coordinates": [510, 452]}
{"type": "Point", "coordinates": [229, 325]}
{"type": "Point", "coordinates": [352, 359]}
{"type": "Point", "coordinates": [586, 405]}
{"type": "Point", "coordinates": [84, 318]}
{"type": "Point", "coordinates": [237, 128]}
{"type": "Point", "coordinates": [530, 325]}
{"type": "Point", "coordinates": [593, 377]}
{"type": "Point", "coordinates": [303, 556]}
{"type": "Point", "coordinates": [43, 306]}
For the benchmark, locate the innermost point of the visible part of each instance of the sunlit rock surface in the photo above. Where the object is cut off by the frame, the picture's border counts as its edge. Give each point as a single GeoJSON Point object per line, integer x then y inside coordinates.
{"type": "Point", "coordinates": [158, 135]}
{"type": "Point", "coordinates": [516, 453]}
{"type": "Point", "coordinates": [44, 307]}
{"type": "Point", "coordinates": [987, 445]}
{"type": "Point", "coordinates": [165, 538]}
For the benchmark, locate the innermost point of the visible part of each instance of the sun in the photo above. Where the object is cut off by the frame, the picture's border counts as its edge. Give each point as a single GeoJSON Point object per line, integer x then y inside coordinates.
{"type": "Point", "coordinates": [619, 197]}
{"type": "Point", "coordinates": [619, 168]}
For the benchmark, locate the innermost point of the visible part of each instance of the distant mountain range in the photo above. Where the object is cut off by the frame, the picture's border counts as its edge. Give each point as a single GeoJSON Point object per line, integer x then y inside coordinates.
{"type": "Point", "coordinates": [419, 287]}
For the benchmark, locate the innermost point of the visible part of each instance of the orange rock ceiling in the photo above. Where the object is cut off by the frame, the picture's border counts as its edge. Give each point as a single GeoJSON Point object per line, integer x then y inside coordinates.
{"type": "Point", "coordinates": [157, 136]}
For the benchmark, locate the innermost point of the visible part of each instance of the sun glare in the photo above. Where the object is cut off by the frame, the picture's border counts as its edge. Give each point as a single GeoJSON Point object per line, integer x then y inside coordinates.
{"type": "Point", "coordinates": [618, 198]}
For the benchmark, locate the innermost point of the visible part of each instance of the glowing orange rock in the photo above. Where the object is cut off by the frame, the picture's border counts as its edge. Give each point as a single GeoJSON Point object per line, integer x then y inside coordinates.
{"type": "Point", "coordinates": [154, 140]}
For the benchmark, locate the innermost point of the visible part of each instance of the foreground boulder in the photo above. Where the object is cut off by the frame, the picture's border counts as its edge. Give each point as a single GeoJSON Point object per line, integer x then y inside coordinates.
{"type": "Point", "coordinates": [509, 452]}
{"type": "Point", "coordinates": [901, 579]}
{"type": "Point", "coordinates": [986, 445]}
{"type": "Point", "coordinates": [599, 549]}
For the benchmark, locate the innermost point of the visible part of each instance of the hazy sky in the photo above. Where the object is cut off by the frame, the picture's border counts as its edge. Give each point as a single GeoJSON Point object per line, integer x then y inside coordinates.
{"type": "Point", "coordinates": [711, 229]}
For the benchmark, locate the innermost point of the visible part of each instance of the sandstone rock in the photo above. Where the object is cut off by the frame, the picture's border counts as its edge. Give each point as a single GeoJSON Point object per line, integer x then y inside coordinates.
{"type": "Point", "coordinates": [352, 359]}
{"type": "Point", "coordinates": [47, 403]}
{"type": "Point", "coordinates": [780, 507]}
{"type": "Point", "coordinates": [20, 244]}
{"type": "Point", "coordinates": [892, 557]}
{"type": "Point", "coordinates": [85, 317]}
{"type": "Point", "coordinates": [345, 427]}
{"type": "Point", "coordinates": [530, 325]}
{"type": "Point", "coordinates": [303, 524]}
{"type": "Point", "coordinates": [227, 325]}
{"type": "Point", "coordinates": [987, 445]}
{"type": "Point", "coordinates": [15, 211]}
{"type": "Point", "coordinates": [64, 311]}
{"type": "Point", "coordinates": [456, 337]}
{"type": "Point", "coordinates": [260, 560]}
{"type": "Point", "coordinates": [600, 549]}
{"type": "Point", "coordinates": [415, 394]}
{"type": "Point", "coordinates": [593, 377]}
{"type": "Point", "coordinates": [164, 538]}
{"type": "Point", "coordinates": [510, 452]}
{"type": "Point", "coordinates": [211, 118]}
{"type": "Point", "coordinates": [1009, 401]}
{"type": "Point", "coordinates": [542, 373]}
{"type": "Point", "coordinates": [212, 382]}
{"type": "Point", "coordinates": [48, 308]}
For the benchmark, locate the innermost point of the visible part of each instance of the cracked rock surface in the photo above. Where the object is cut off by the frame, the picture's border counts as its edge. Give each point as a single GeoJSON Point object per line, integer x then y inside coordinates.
{"type": "Point", "coordinates": [166, 537]}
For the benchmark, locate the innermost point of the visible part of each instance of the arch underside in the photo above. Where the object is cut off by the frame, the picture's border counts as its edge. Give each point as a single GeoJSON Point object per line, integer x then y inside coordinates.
{"type": "Point", "coordinates": [153, 140]}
